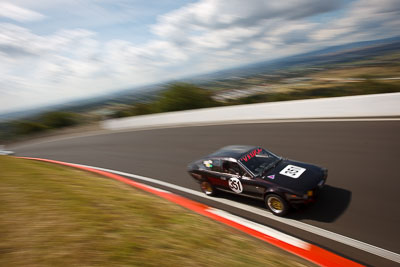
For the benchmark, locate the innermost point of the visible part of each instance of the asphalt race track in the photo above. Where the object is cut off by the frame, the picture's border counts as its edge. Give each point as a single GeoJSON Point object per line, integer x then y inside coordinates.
{"type": "Point", "coordinates": [360, 200]}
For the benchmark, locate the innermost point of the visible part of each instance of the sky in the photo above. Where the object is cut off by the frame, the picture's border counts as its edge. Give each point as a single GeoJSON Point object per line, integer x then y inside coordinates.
{"type": "Point", "coordinates": [53, 51]}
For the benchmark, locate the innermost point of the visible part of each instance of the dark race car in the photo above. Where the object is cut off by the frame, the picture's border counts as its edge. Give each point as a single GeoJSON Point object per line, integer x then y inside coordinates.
{"type": "Point", "coordinates": [256, 172]}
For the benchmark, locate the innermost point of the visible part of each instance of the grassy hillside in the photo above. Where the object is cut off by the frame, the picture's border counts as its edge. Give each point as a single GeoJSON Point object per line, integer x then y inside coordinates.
{"type": "Point", "coordinates": [57, 216]}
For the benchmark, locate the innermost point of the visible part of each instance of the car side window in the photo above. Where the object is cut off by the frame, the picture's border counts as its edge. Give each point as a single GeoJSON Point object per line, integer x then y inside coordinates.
{"type": "Point", "coordinates": [216, 165]}
{"type": "Point", "coordinates": [231, 168]}
{"type": "Point", "coordinates": [211, 165]}
{"type": "Point", "coordinates": [245, 174]}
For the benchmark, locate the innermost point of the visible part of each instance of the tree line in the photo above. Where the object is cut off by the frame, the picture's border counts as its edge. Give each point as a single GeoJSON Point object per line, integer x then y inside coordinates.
{"type": "Point", "coordinates": [177, 96]}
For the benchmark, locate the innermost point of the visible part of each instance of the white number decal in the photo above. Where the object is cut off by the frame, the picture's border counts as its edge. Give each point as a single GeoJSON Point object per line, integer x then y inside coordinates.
{"type": "Point", "coordinates": [292, 171]}
{"type": "Point", "coordinates": [235, 185]}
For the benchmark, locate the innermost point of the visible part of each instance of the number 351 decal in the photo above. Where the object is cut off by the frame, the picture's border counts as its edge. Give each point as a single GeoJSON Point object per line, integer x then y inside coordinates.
{"type": "Point", "coordinates": [235, 185]}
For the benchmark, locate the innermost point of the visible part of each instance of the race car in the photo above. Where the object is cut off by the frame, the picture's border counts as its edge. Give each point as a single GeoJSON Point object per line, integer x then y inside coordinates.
{"type": "Point", "coordinates": [255, 172]}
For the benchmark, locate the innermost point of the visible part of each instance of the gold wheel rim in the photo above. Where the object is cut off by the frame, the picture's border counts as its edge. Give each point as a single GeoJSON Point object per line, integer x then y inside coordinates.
{"type": "Point", "coordinates": [206, 187]}
{"type": "Point", "coordinates": [275, 204]}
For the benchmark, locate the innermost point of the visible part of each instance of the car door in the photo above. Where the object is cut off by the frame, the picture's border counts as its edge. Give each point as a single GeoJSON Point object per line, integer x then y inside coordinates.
{"type": "Point", "coordinates": [239, 180]}
{"type": "Point", "coordinates": [212, 171]}
{"type": "Point", "coordinates": [253, 187]}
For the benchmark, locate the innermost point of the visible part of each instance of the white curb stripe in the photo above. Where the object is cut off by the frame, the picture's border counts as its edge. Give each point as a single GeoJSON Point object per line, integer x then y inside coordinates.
{"type": "Point", "coordinates": [262, 229]}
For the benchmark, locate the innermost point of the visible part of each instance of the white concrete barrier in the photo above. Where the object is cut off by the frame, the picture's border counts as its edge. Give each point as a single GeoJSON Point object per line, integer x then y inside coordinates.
{"type": "Point", "coordinates": [380, 105]}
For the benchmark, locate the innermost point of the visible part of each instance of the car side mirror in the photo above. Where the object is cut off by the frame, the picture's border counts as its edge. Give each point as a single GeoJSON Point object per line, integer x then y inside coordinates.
{"type": "Point", "coordinates": [244, 177]}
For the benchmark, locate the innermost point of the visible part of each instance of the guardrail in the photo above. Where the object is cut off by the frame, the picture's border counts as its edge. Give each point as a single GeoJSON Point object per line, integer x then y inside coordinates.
{"type": "Point", "coordinates": [380, 105]}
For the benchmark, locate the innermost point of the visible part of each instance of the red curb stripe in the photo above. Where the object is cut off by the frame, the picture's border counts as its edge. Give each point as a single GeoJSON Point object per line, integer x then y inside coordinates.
{"type": "Point", "coordinates": [313, 254]}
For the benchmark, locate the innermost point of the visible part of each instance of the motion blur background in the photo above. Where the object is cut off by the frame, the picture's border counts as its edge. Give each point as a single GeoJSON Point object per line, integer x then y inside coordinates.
{"type": "Point", "coordinates": [69, 63]}
{"type": "Point", "coordinates": [71, 66]}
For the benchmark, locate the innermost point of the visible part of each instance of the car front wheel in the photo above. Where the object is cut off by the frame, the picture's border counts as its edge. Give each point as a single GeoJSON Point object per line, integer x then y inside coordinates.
{"type": "Point", "coordinates": [208, 188]}
{"type": "Point", "coordinates": [276, 204]}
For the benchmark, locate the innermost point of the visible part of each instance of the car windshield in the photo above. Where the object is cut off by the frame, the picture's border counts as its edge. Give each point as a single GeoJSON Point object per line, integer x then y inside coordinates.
{"type": "Point", "coordinates": [259, 161]}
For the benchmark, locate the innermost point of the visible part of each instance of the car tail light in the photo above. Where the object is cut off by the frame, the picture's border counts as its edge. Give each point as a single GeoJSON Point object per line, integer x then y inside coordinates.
{"type": "Point", "coordinates": [196, 176]}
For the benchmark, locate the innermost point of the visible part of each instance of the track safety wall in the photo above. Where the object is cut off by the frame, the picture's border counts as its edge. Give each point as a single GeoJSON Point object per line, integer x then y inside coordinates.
{"type": "Point", "coordinates": [380, 105]}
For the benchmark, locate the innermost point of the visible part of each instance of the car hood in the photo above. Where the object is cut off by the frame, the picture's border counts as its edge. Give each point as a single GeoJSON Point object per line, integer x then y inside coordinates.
{"type": "Point", "coordinates": [295, 175]}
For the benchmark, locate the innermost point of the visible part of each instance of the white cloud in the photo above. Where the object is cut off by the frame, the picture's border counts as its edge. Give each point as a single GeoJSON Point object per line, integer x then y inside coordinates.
{"type": "Point", "coordinates": [253, 28]}
{"type": "Point", "coordinates": [8, 10]}
{"type": "Point", "coordinates": [223, 38]}
{"type": "Point", "coordinates": [365, 19]}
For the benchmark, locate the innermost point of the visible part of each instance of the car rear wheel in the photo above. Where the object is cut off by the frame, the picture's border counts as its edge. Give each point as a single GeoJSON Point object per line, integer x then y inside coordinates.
{"type": "Point", "coordinates": [208, 188]}
{"type": "Point", "coordinates": [276, 204]}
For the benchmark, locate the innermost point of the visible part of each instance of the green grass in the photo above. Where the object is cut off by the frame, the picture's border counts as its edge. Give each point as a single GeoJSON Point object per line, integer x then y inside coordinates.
{"type": "Point", "coordinates": [58, 216]}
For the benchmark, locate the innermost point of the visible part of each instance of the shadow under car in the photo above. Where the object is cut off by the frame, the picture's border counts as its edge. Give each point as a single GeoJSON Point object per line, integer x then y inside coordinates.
{"type": "Point", "coordinates": [331, 203]}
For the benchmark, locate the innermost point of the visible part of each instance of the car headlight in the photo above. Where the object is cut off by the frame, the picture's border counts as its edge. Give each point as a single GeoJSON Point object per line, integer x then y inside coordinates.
{"type": "Point", "coordinates": [309, 193]}
{"type": "Point", "coordinates": [293, 196]}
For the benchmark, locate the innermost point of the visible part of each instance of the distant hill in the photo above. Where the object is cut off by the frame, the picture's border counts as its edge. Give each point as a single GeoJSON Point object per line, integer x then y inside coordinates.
{"type": "Point", "coordinates": [124, 96]}
{"type": "Point", "coordinates": [330, 55]}
{"type": "Point", "coordinates": [334, 54]}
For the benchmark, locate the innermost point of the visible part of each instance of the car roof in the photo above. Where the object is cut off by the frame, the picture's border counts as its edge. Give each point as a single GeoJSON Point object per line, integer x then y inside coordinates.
{"type": "Point", "coordinates": [235, 151]}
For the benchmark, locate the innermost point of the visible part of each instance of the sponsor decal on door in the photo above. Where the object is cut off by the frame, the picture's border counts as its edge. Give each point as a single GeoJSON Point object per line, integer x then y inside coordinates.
{"type": "Point", "coordinates": [235, 185]}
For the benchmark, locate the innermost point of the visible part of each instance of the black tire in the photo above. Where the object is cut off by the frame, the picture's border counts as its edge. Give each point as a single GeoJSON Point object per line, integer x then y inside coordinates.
{"type": "Point", "coordinates": [207, 188]}
{"type": "Point", "coordinates": [276, 204]}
